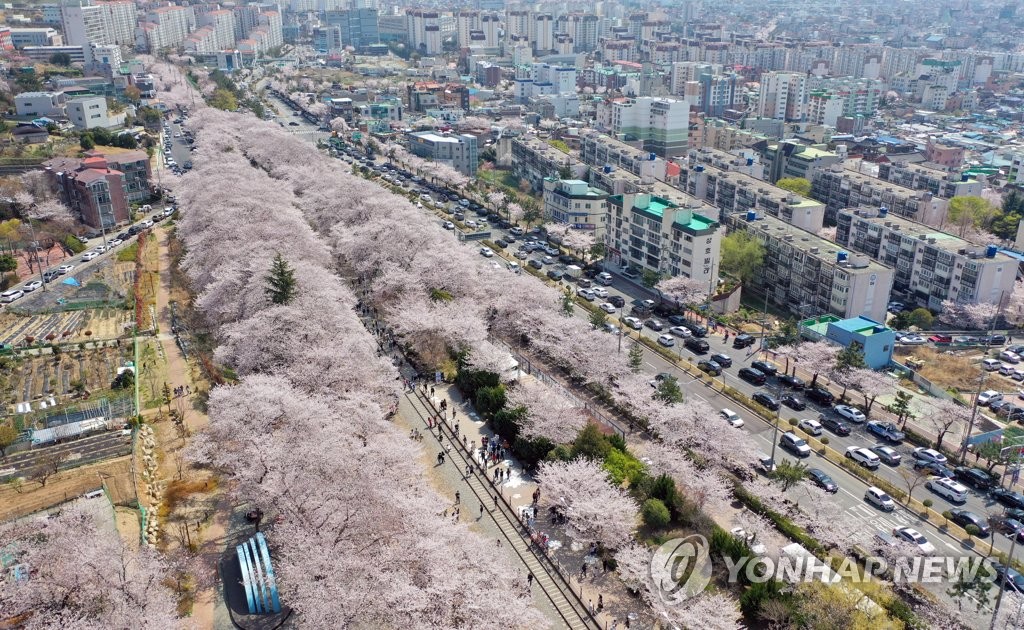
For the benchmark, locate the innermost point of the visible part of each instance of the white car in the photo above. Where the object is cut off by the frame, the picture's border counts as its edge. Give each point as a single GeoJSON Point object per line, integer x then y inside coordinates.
{"type": "Point", "coordinates": [63, 269]}
{"type": "Point", "coordinates": [929, 455]}
{"type": "Point", "coordinates": [878, 498]}
{"type": "Point", "coordinates": [87, 256]}
{"type": "Point", "coordinates": [521, 255]}
{"type": "Point", "coordinates": [633, 323]}
{"type": "Point", "coordinates": [947, 489]}
{"type": "Point", "coordinates": [448, 225]}
{"type": "Point", "coordinates": [914, 537]}
{"type": "Point", "coordinates": [9, 296]}
{"type": "Point", "coordinates": [607, 307]}
{"type": "Point", "coordinates": [680, 331]}
{"type": "Point", "coordinates": [587, 295]}
{"type": "Point", "coordinates": [115, 242]}
{"type": "Point", "coordinates": [810, 427]}
{"type": "Point", "coordinates": [863, 456]}
{"type": "Point", "coordinates": [600, 292]}
{"type": "Point", "coordinates": [912, 340]}
{"type": "Point", "coordinates": [486, 252]}
{"type": "Point", "coordinates": [31, 286]}
{"type": "Point", "coordinates": [988, 397]}
{"type": "Point", "coordinates": [548, 260]}
{"type": "Point", "coordinates": [850, 413]}
{"type": "Point", "coordinates": [99, 249]}
{"type": "Point", "coordinates": [666, 340]}
{"type": "Point", "coordinates": [732, 418]}
{"type": "Point", "coordinates": [1009, 357]}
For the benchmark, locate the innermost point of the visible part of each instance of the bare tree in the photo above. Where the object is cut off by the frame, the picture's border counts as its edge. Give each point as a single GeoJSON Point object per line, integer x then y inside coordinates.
{"type": "Point", "coordinates": [911, 478]}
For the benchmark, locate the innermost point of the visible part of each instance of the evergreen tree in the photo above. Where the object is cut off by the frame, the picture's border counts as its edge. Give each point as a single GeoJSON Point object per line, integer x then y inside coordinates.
{"type": "Point", "coordinates": [636, 357]}
{"type": "Point", "coordinates": [281, 285]}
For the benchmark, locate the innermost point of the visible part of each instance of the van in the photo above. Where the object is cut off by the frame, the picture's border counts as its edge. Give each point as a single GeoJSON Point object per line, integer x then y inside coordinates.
{"type": "Point", "coordinates": [1017, 374]}
{"type": "Point", "coordinates": [990, 365]}
{"type": "Point", "coordinates": [9, 296]}
{"type": "Point", "coordinates": [879, 499]}
{"type": "Point", "coordinates": [1006, 369]}
{"type": "Point", "coordinates": [605, 278]}
{"type": "Point", "coordinates": [742, 341]}
{"type": "Point", "coordinates": [947, 489]}
{"type": "Point", "coordinates": [864, 457]}
{"type": "Point", "coordinates": [573, 271]}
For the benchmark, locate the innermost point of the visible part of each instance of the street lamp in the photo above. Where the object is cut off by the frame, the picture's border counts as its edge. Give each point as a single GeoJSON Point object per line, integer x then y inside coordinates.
{"type": "Point", "coordinates": [778, 417]}
{"type": "Point", "coordinates": [981, 384]}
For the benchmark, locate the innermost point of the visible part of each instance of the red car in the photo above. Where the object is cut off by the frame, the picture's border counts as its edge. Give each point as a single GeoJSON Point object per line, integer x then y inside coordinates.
{"type": "Point", "coordinates": [940, 339]}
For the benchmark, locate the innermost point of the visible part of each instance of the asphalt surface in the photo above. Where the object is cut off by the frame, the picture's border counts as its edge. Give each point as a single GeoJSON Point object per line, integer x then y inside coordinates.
{"type": "Point", "coordinates": [78, 452]}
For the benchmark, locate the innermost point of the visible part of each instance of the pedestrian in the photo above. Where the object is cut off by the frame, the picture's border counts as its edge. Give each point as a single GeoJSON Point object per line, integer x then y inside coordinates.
{"type": "Point", "coordinates": [453, 414]}
{"type": "Point", "coordinates": [457, 497]}
{"type": "Point", "coordinates": [495, 500]}
{"type": "Point", "coordinates": [469, 469]}
{"type": "Point", "coordinates": [456, 428]}
{"type": "Point", "coordinates": [188, 390]}
{"type": "Point", "coordinates": [590, 606]}
{"type": "Point", "coordinates": [600, 602]}
{"type": "Point", "coordinates": [431, 391]}
{"type": "Point", "coordinates": [465, 442]}
{"type": "Point", "coordinates": [481, 510]}
{"type": "Point", "coordinates": [498, 542]}
{"type": "Point", "coordinates": [440, 457]}
{"type": "Point", "coordinates": [529, 580]}
{"type": "Point", "coordinates": [583, 570]}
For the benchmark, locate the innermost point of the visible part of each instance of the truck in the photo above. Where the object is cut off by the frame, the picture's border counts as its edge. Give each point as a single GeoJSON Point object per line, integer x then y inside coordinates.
{"type": "Point", "coordinates": [886, 431]}
{"type": "Point", "coordinates": [573, 271]}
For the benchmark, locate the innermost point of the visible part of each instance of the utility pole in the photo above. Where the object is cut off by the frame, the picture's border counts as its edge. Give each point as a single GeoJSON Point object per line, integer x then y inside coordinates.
{"type": "Point", "coordinates": [981, 383]}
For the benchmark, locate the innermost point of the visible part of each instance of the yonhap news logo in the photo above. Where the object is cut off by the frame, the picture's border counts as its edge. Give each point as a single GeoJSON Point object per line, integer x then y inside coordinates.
{"type": "Point", "coordinates": [681, 568]}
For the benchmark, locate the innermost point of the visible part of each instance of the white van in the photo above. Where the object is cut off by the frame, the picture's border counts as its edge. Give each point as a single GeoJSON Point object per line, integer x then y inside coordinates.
{"type": "Point", "coordinates": [605, 278]}
{"type": "Point", "coordinates": [990, 365]}
{"type": "Point", "coordinates": [1017, 374]}
{"type": "Point", "coordinates": [947, 489]}
{"type": "Point", "coordinates": [1006, 369]}
{"type": "Point", "coordinates": [864, 457]}
{"type": "Point", "coordinates": [9, 296]}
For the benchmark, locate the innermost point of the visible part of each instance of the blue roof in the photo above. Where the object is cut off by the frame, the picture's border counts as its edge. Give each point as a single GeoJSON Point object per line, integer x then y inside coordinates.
{"type": "Point", "coordinates": [859, 324]}
{"type": "Point", "coordinates": [1012, 254]}
{"type": "Point", "coordinates": [888, 140]}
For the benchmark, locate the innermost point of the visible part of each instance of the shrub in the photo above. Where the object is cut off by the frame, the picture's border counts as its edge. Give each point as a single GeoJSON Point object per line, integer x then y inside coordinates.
{"type": "Point", "coordinates": [824, 440]}
{"type": "Point", "coordinates": [655, 514]}
{"type": "Point", "coordinates": [927, 503]}
{"type": "Point", "coordinates": [623, 466]}
{"type": "Point", "coordinates": [759, 593]}
{"type": "Point", "coordinates": [490, 400]}
{"type": "Point", "coordinates": [724, 544]}
{"type": "Point", "coordinates": [793, 422]}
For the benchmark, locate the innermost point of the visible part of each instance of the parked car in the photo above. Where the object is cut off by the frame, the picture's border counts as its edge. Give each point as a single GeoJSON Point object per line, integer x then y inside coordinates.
{"type": "Point", "coordinates": [680, 331]}
{"type": "Point", "coordinates": [885, 430]}
{"type": "Point", "coordinates": [766, 401]}
{"type": "Point", "coordinates": [940, 339]}
{"type": "Point", "coordinates": [752, 375]}
{"type": "Point", "coordinates": [835, 425]}
{"type": "Point", "coordinates": [793, 382]}
{"type": "Point", "coordinates": [63, 269]}
{"type": "Point", "coordinates": [607, 307]}
{"type": "Point", "coordinates": [975, 477]}
{"type": "Point", "coordinates": [87, 256]}
{"type": "Point", "coordinates": [822, 480]}
{"type": "Point", "coordinates": [1009, 577]}
{"type": "Point", "coordinates": [666, 340]}
{"type": "Point", "coordinates": [654, 324]}
{"type": "Point", "coordinates": [766, 368]}
{"type": "Point", "coordinates": [887, 454]}
{"type": "Point", "coordinates": [633, 323]}
{"type": "Point", "coordinates": [9, 296]}
{"type": "Point", "coordinates": [587, 295]}
{"type": "Point", "coordinates": [819, 395]}
{"type": "Point", "coordinates": [793, 402]}
{"type": "Point", "coordinates": [555, 274]}
{"type": "Point", "coordinates": [697, 346]}
{"type": "Point", "coordinates": [964, 519]}
{"type": "Point", "coordinates": [1009, 498]}
{"type": "Point", "coordinates": [617, 300]}
{"type": "Point", "coordinates": [732, 418]}
{"type": "Point", "coordinates": [31, 286]}
{"type": "Point", "coordinates": [811, 427]}
{"type": "Point", "coordinates": [743, 340]}
{"type": "Point", "coordinates": [849, 413]}
{"type": "Point", "coordinates": [933, 468]}
{"type": "Point", "coordinates": [987, 397]}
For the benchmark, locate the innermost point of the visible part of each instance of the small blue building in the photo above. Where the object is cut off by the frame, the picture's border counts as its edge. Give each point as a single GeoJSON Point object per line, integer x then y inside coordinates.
{"type": "Point", "coordinates": [877, 340]}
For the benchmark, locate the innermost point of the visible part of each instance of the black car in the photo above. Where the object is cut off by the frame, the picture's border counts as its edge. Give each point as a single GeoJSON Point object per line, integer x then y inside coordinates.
{"type": "Point", "coordinates": [996, 340]}
{"type": "Point", "coordinates": [123, 236]}
{"type": "Point", "coordinates": [996, 405]}
{"type": "Point", "coordinates": [617, 301]}
{"type": "Point", "coordinates": [793, 382]}
{"type": "Point", "coordinates": [822, 480]}
{"type": "Point", "coordinates": [793, 402]}
{"type": "Point", "coordinates": [1008, 576]}
{"type": "Point", "coordinates": [711, 367]}
{"type": "Point", "coordinates": [697, 346]}
{"type": "Point", "coordinates": [676, 320]}
{"type": "Point", "coordinates": [767, 368]}
{"type": "Point", "coordinates": [752, 375]}
{"type": "Point", "coordinates": [933, 468]}
{"type": "Point", "coordinates": [49, 276]}
{"type": "Point", "coordinates": [819, 395]}
{"type": "Point", "coordinates": [1008, 498]}
{"type": "Point", "coordinates": [698, 330]}
{"type": "Point", "coordinates": [835, 425]}
{"type": "Point", "coordinates": [501, 243]}
{"type": "Point", "coordinates": [743, 341]}
{"type": "Point", "coordinates": [722, 359]}
{"type": "Point", "coordinates": [555, 274]}
{"type": "Point", "coordinates": [766, 401]}
{"type": "Point", "coordinates": [963, 518]}
{"type": "Point", "coordinates": [974, 477]}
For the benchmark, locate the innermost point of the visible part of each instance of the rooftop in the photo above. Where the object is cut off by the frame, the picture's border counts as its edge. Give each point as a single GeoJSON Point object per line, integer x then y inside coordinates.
{"type": "Point", "coordinates": [913, 229]}
{"type": "Point", "coordinates": [810, 244]}
{"type": "Point", "coordinates": [861, 325]}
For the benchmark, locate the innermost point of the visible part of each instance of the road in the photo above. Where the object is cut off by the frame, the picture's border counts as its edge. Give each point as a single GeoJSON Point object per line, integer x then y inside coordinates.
{"type": "Point", "coordinates": [296, 124]}
{"type": "Point", "coordinates": [850, 496]}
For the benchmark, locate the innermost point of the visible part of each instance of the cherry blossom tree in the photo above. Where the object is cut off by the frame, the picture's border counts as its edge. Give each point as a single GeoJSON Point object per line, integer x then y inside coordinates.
{"type": "Point", "coordinates": [81, 575]}
{"type": "Point", "coordinates": [596, 510]}
{"type": "Point", "coordinates": [683, 290]}
{"type": "Point", "coordinates": [549, 413]}
{"type": "Point", "coordinates": [815, 357]}
{"type": "Point", "coordinates": [970, 315]}
{"type": "Point", "coordinates": [1013, 305]}
{"type": "Point", "coordinates": [871, 384]}
{"type": "Point", "coordinates": [578, 241]}
{"type": "Point", "coordinates": [944, 415]}
{"type": "Point", "coordinates": [515, 212]}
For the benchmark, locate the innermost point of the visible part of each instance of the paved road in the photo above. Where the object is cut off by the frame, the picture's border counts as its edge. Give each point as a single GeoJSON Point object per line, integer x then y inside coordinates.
{"type": "Point", "coordinates": [86, 450]}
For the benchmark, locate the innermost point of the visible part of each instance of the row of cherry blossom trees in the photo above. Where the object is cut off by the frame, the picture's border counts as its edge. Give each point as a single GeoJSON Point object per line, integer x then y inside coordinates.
{"type": "Point", "coordinates": [359, 538]}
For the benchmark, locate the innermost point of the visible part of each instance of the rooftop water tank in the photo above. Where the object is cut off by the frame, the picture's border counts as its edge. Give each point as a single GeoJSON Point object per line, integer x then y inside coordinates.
{"type": "Point", "coordinates": [751, 215]}
{"type": "Point", "coordinates": [991, 250]}
{"type": "Point", "coordinates": [841, 256]}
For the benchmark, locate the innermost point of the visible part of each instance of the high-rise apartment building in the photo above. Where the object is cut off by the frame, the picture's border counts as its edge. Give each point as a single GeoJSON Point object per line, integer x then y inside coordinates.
{"type": "Point", "coordinates": [783, 96]}
{"type": "Point", "coordinates": [165, 27]}
{"type": "Point", "coordinates": [359, 27]}
{"type": "Point", "coordinates": [840, 188]}
{"type": "Point", "coordinates": [544, 33]}
{"type": "Point", "coordinates": [661, 124]}
{"type": "Point", "coordinates": [582, 28]}
{"type": "Point", "coordinates": [423, 28]}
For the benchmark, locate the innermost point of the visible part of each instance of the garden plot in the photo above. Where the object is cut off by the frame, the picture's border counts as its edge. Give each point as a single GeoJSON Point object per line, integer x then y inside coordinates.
{"type": "Point", "coordinates": [64, 327]}
{"type": "Point", "coordinates": [71, 373]}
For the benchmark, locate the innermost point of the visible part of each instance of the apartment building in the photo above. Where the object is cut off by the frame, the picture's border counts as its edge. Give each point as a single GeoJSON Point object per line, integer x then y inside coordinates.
{"type": "Point", "coordinates": [100, 188]}
{"type": "Point", "coordinates": [920, 177]}
{"type": "Point", "coordinates": [111, 22]}
{"type": "Point", "coordinates": [715, 133]}
{"type": "Point", "coordinates": [359, 27]}
{"type": "Point", "coordinates": [783, 96]}
{"type": "Point", "coordinates": [930, 266]}
{"type": "Point", "coordinates": [661, 124]}
{"type": "Point", "coordinates": [534, 160]}
{"type": "Point", "coordinates": [458, 151]}
{"type": "Point", "coordinates": [598, 149]}
{"type": "Point", "coordinates": [327, 38]}
{"type": "Point", "coordinates": [49, 104]}
{"type": "Point", "coordinates": [791, 159]}
{"type": "Point", "coordinates": [716, 178]}
{"type": "Point", "coordinates": [576, 203]}
{"type": "Point", "coordinates": [165, 27]}
{"type": "Point", "coordinates": [647, 233]}
{"type": "Point", "coordinates": [583, 28]}
{"type": "Point", "coordinates": [423, 29]}
{"type": "Point", "coordinates": [808, 275]}
{"type": "Point", "coordinates": [707, 87]}
{"type": "Point", "coordinates": [543, 33]}
{"type": "Point", "coordinates": [839, 188]}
